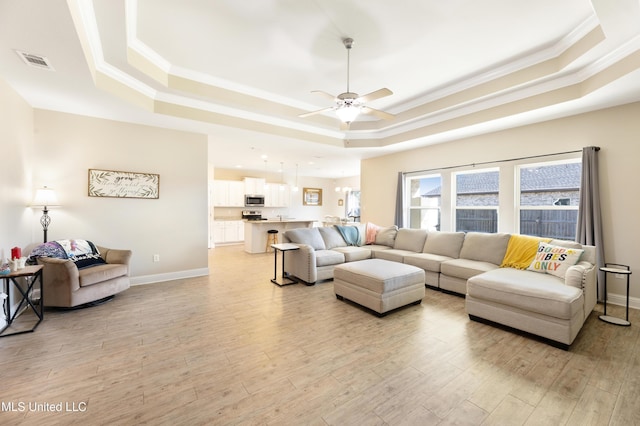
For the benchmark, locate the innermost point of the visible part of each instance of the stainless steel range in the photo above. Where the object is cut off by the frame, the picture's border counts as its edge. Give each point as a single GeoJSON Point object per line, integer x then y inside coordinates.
{"type": "Point", "coordinates": [252, 215]}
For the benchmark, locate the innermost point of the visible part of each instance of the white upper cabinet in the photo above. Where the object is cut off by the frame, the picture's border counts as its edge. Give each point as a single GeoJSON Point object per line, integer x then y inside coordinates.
{"type": "Point", "coordinates": [277, 195]}
{"type": "Point", "coordinates": [228, 193]}
{"type": "Point", "coordinates": [254, 186]}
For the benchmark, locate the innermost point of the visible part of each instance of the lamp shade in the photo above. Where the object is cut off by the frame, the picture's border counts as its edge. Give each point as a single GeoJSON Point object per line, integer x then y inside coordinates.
{"type": "Point", "coordinates": [45, 197]}
{"type": "Point", "coordinates": [348, 113]}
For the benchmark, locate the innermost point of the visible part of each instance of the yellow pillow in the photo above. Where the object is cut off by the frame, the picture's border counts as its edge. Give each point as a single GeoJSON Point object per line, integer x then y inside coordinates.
{"type": "Point", "coordinates": [521, 250]}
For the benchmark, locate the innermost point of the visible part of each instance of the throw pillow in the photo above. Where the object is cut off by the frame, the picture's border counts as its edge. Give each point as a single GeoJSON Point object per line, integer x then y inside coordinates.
{"type": "Point", "coordinates": [410, 239]}
{"type": "Point", "coordinates": [555, 260]}
{"type": "Point", "coordinates": [371, 232]}
{"type": "Point", "coordinates": [331, 237]}
{"type": "Point", "coordinates": [521, 250]}
{"type": "Point", "coordinates": [387, 236]}
{"type": "Point", "coordinates": [484, 247]}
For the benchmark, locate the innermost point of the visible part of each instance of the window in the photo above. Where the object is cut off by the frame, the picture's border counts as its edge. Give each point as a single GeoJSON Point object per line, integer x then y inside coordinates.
{"type": "Point", "coordinates": [352, 207]}
{"type": "Point", "coordinates": [476, 200]}
{"type": "Point", "coordinates": [424, 196]}
{"type": "Point", "coordinates": [548, 199]}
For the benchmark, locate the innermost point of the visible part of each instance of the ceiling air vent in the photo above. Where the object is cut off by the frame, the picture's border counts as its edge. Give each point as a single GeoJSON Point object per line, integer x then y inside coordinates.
{"type": "Point", "coordinates": [36, 61]}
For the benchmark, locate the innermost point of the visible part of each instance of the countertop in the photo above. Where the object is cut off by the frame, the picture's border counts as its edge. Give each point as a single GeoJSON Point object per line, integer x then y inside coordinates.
{"type": "Point", "coordinates": [280, 221]}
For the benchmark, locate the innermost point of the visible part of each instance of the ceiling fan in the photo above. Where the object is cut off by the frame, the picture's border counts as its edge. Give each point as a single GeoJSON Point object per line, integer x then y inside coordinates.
{"type": "Point", "coordinates": [348, 104]}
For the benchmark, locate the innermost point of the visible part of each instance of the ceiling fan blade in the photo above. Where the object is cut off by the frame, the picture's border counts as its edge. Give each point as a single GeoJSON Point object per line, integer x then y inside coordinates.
{"type": "Point", "coordinates": [377, 113]}
{"type": "Point", "coordinates": [320, 111]}
{"type": "Point", "coordinates": [325, 94]}
{"type": "Point", "coordinates": [380, 93]}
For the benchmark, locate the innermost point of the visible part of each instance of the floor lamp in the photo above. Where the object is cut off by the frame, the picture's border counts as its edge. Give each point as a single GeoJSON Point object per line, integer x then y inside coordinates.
{"type": "Point", "coordinates": [45, 198]}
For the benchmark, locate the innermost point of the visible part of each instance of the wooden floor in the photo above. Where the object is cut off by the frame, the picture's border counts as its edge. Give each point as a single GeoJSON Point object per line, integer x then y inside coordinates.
{"type": "Point", "coordinates": [232, 348]}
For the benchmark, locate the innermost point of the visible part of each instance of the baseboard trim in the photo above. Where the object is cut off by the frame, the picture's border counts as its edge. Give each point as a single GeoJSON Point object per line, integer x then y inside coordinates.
{"type": "Point", "coordinates": [169, 276]}
{"type": "Point", "coordinates": [621, 300]}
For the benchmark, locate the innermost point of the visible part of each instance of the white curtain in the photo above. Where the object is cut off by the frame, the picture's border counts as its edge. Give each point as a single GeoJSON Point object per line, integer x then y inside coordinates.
{"type": "Point", "coordinates": [589, 230]}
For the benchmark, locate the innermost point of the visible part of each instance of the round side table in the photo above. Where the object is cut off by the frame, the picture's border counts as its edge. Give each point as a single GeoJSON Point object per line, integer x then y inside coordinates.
{"type": "Point", "coordinates": [614, 268]}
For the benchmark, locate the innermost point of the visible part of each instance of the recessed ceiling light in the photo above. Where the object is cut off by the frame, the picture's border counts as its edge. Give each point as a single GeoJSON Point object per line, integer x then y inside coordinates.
{"type": "Point", "coordinates": [264, 156]}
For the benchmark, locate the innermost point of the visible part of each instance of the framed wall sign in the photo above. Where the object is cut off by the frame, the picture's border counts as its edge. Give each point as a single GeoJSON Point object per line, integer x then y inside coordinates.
{"type": "Point", "coordinates": [311, 196]}
{"type": "Point", "coordinates": [112, 183]}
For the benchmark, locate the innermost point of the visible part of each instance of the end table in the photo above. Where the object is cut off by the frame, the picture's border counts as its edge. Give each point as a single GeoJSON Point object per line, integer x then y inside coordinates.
{"type": "Point", "coordinates": [615, 268]}
{"type": "Point", "coordinates": [32, 275]}
{"type": "Point", "coordinates": [285, 247]}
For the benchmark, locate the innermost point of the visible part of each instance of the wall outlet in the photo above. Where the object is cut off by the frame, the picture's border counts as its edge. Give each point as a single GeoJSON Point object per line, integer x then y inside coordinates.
{"type": "Point", "coordinates": [156, 258]}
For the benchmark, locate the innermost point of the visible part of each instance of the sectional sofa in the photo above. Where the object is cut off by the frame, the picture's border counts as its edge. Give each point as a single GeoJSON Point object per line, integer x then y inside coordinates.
{"type": "Point", "coordinates": [548, 292]}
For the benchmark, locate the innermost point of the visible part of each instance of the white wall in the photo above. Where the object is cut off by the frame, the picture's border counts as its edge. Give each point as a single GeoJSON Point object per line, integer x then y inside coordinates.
{"type": "Point", "coordinates": [615, 130]}
{"type": "Point", "coordinates": [173, 226]}
{"type": "Point", "coordinates": [16, 154]}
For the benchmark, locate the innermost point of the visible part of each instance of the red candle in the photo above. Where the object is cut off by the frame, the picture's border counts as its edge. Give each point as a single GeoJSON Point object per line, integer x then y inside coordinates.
{"type": "Point", "coordinates": [16, 253]}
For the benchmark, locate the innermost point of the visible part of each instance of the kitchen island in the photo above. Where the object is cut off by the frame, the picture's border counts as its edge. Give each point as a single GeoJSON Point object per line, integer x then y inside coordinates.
{"type": "Point", "coordinates": [255, 231]}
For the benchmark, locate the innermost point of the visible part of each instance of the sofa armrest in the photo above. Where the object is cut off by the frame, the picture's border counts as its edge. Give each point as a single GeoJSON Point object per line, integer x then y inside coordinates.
{"type": "Point", "coordinates": [61, 273]}
{"type": "Point", "coordinates": [115, 255]}
{"type": "Point", "coordinates": [584, 275]}
{"type": "Point", "coordinates": [302, 263]}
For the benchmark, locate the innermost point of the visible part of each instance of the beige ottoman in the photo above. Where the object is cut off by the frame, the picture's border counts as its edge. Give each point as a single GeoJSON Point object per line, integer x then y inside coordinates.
{"type": "Point", "coordinates": [378, 284]}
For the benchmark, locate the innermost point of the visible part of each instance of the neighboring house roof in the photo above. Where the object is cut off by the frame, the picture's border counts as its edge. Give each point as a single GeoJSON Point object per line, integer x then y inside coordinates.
{"type": "Point", "coordinates": [561, 176]}
{"type": "Point", "coordinates": [558, 177]}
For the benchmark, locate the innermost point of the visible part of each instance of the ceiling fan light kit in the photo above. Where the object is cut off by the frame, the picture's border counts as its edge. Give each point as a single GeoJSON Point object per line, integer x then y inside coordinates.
{"type": "Point", "coordinates": [350, 105]}
{"type": "Point", "coordinates": [348, 113]}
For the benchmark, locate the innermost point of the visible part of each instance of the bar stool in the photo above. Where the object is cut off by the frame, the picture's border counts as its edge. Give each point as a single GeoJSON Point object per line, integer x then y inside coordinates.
{"type": "Point", "coordinates": [272, 238]}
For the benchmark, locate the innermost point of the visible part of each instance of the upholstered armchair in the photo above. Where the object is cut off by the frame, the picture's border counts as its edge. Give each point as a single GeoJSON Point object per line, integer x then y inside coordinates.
{"type": "Point", "coordinates": [67, 286]}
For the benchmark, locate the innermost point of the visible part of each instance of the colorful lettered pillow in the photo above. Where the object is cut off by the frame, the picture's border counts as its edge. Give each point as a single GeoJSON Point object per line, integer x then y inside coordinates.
{"type": "Point", "coordinates": [555, 260]}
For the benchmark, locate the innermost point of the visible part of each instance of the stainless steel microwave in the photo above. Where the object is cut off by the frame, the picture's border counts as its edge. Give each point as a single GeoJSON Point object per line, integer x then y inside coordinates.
{"type": "Point", "coordinates": [254, 200]}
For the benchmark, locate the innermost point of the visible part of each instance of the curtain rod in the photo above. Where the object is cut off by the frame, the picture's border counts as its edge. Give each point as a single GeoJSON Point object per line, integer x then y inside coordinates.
{"type": "Point", "coordinates": [597, 148]}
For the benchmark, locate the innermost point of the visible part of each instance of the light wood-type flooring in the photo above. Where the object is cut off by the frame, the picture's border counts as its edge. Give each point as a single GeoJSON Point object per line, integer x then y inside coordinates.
{"type": "Point", "coordinates": [232, 348]}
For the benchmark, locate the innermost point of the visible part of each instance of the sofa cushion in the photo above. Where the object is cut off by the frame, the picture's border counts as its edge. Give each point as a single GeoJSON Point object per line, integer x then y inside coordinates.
{"type": "Point", "coordinates": [393, 255]}
{"type": "Point", "coordinates": [426, 261]}
{"type": "Point", "coordinates": [328, 257]}
{"type": "Point", "coordinates": [444, 243]}
{"type": "Point", "coordinates": [386, 236]}
{"type": "Point", "coordinates": [554, 260]}
{"type": "Point", "coordinates": [485, 247]}
{"type": "Point", "coordinates": [465, 268]}
{"type": "Point", "coordinates": [566, 243]}
{"type": "Point", "coordinates": [376, 248]}
{"type": "Point", "coordinates": [331, 237]}
{"type": "Point", "coordinates": [410, 239]}
{"type": "Point", "coordinates": [527, 290]}
{"type": "Point", "coordinates": [353, 254]}
{"type": "Point", "coordinates": [101, 273]}
{"type": "Point", "coordinates": [308, 236]}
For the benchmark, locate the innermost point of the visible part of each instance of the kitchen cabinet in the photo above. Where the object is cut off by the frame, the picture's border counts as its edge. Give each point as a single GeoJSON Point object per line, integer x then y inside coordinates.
{"type": "Point", "coordinates": [254, 186]}
{"type": "Point", "coordinates": [228, 193]}
{"type": "Point", "coordinates": [277, 195]}
{"type": "Point", "coordinates": [228, 231]}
